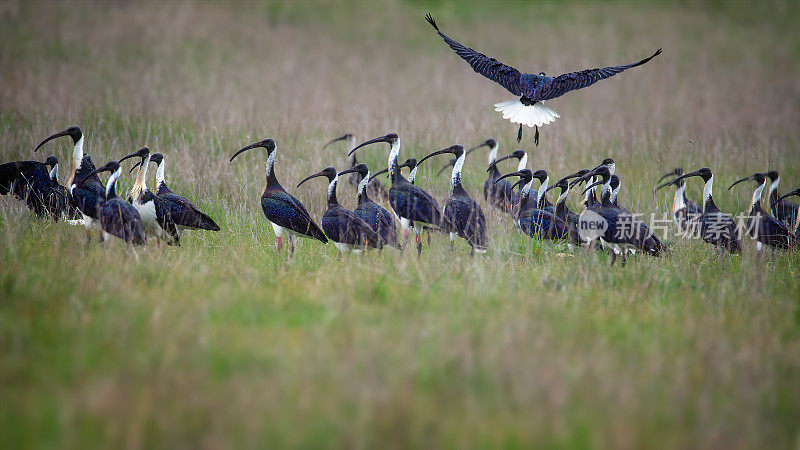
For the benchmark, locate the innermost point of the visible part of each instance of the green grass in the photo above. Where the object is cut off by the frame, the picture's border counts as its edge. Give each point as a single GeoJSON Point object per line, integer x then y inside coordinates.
{"type": "Point", "coordinates": [225, 343]}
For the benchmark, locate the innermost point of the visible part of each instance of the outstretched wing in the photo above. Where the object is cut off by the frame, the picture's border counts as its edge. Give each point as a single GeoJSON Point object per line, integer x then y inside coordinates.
{"type": "Point", "coordinates": [562, 84]}
{"type": "Point", "coordinates": [506, 76]}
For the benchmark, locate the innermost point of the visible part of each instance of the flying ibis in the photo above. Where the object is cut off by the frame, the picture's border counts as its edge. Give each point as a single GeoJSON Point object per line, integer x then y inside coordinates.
{"type": "Point", "coordinates": [684, 211]}
{"type": "Point", "coordinates": [183, 212]}
{"type": "Point", "coordinates": [461, 215]}
{"type": "Point", "coordinates": [532, 89]}
{"type": "Point", "coordinates": [284, 212]}
{"type": "Point", "coordinates": [89, 191]}
{"type": "Point", "coordinates": [342, 226]}
{"type": "Point", "coordinates": [529, 215]}
{"type": "Point", "coordinates": [116, 216]}
{"type": "Point", "coordinates": [407, 200]}
{"type": "Point", "coordinates": [764, 228]}
{"type": "Point", "coordinates": [374, 188]}
{"type": "Point", "coordinates": [154, 212]}
{"type": "Point", "coordinates": [716, 227]}
{"type": "Point", "coordinates": [782, 210]}
{"type": "Point", "coordinates": [370, 212]}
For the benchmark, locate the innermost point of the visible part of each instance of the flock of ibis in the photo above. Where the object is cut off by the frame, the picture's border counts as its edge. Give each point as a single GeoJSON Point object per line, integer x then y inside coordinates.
{"type": "Point", "coordinates": [163, 215]}
{"type": "Point", "coordinates": [603, 223]}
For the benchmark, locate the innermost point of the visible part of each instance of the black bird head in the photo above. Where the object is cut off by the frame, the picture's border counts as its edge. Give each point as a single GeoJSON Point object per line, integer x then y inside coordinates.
{"type": "Point", "coordinates": [773, 175]}
{"type": "Point", "coordinates": [390, 139]}
{"type": "Point", "coordinates": [758, 177]}
{"type": "Point", "coordinates": [344, 137]}
{"type": "Point", "coordinates": [157, 158]}
{"type": "Point", "coordinates": [411, 163]}
{"type": "Point", "coordinates": [601, 171]}
{"type": "Point", "coordinates": [51, 161]}
{"type": "Point", "coordinates": [74, 132]}
{"type": "Point", "coordinates": [525, 176]}
{"type": "Point", "coordinates": [704, 173]}
{"type": "Point", "coordinates": [268, 144]}
{"type": "Point", "coordinates": [328, 172]}
{"type": "Point", "coordinates": [141, 153]}
{"type": "Point", "coordinates": [111, 166]}
{"type": "Point", "coordinates": [359, 168]}
{"type": "Point", "coordinates": [455, 150]}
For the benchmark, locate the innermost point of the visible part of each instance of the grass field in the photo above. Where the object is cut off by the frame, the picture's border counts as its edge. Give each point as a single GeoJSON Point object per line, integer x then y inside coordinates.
{"type": "Point", "coordinates": [224, 343]}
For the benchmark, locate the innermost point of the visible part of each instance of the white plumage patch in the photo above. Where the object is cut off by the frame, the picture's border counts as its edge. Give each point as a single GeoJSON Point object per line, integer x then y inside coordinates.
{"type": "Point", "coordinates": [534, 115]}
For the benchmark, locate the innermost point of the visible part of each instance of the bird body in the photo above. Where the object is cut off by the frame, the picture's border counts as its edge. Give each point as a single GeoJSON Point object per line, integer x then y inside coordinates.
{"type": "Point", "coordinates": [155, 214]}
{"type": "Point", "coordinates": [378, 218]}
{"type": "Point", "coordinates": [685, 213]}
{"type": "Point", "coordinates": [780, 208]}
{"type": "Point", "coordinates": [761, 226]}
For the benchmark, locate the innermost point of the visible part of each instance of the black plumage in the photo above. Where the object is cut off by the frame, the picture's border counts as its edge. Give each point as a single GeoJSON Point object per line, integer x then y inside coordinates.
{"type": "Point", "coordinates": [796, 224]}
{"type": "Point", "coordinates": [561, 209]}
{"type": "Point", "coordinates": [342, 226]}
{"type": "Point", "coordinates": [780, 208]}
{"type": "Point", "coordinates": [282, 210]}
{"type": "Point", "coordinates": [30, 182]}
{"type": "Point", "coordinates": [370, 212]}
{"type": "Point", "coordinates": [685, 212]}
{"type": "Point", "coordinates": [462, 216]}
{"type": "Point", "coordinates": [116, 216]}
{"type": "Point", "coordinates": [375, 188]}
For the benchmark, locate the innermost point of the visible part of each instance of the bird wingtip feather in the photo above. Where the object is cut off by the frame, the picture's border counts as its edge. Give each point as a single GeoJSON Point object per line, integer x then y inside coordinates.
{"type": "Point", "coordinates": [431, 21]}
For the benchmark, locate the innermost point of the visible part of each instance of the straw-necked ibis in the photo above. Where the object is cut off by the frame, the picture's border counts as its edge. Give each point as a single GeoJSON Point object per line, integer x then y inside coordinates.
{"type": "Point", "coordinates": [154, 212]}
{"type": "Point", "coordinates": [284, 212]}
{"type": "Point", "coordinates": [685, 212]}
{"type": "Point", "coordinates": [530, 217]}
{"type": "Point", "coordinates": [532, 89]}
{"type": "Point", "coordinates": [375, 188]}
{"type": "Point", "coordinates": [183, 212]}
{"type": "Point", "coordinates": [407, 200]}
{"type": "Point", "coordinates": [89, 191]}
{"type": "Point", "coordinates": [796, 223]}
{"type": "Point", "coordinates": [370, 212]}
{"type": "Point", "coordinates": [116, 216]}
{"type": "Point", "coordinates": [36, 184]}
{"type": "Point", "coordinates": [462, 216]}
{"type": "Point", "coordinates": [342, 226]}
{"type": "Point", "coordinates": [406, 225]}
{"type": "Point", "coordinates": [764, 228]}
{"type": "Point", "coordinates": [782, 210]}
{"type": "Point", "coordinates": [716, 227]}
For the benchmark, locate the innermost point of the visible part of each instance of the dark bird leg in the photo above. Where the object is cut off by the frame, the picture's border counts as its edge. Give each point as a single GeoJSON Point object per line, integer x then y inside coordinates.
{"type": "Point", "coordinates": [519, 133]}
{"type": "Point", "coordinates": [535, 135]}
{"type": "Point", "coordinates": [428, 235]}
{"type": "Point", "coordinates": [291, 245]}
{"type": "Point", "coordinates": [280, 244]}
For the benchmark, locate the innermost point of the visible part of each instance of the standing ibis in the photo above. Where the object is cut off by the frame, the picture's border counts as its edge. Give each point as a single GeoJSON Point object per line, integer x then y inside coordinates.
{"type": "Point", "coordinates": [89, 192]}
{"type": "Point", "coordinates": [782, 210]}
{"type": "Point", "coordinates": [405, 224]}
{"type": "Point", "coordinates": [407, 200]}
{"type": "Point", "coordinates": [531, 218]}
{"type": "Point", "coordinates": [370, 212]}
{"type": "Point", "coordinates": [532, 89]}
{"type": "Point", "coordinates": [461, 215]}
{"type": "Point", "coordinates": [342, 226]}
{"type": "Point", "coordinates": [684, 211]}
{"type": "Point", "coordinates": [154, 212]}
{"type": "Point", "coordinates": [716, 227]}
{"type": "Point", "coordinates": [116, 216]}
{"type": "Point", "coordinates": [374, 188]}
{"type": "Point", "coordinates": [284, 212]}
{"type": "Point", "coordinates": [623, 230]}
{"type": "Point", "coordinates": [36, 185]}
{"type": "Point", "coordinates": [183, 212]}
{"type": "Point", "coordinates": [764, 228]}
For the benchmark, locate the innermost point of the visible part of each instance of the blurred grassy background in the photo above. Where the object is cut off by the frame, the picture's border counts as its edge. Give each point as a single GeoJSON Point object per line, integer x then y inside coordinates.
{"type": "Point", "coordinates": [222, 343]}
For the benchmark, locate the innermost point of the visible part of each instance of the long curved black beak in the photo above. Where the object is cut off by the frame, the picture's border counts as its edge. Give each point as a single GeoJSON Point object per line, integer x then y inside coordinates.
{"type": "Point", "coordinates": [509, 156]}
{"type": "Point", "coordinates": [596, 183]}
{"type": "Point", "coordinates": [134, 166]}
{"type": "Point", "coordinates": [789, 194]}
{"type": "Point", "coordinates": [585, 177]}
{"type": "Point", "coordinates": [696, 173]}
{"type": "Point", "coordinates": [477, 147]}
{"type": "Point", "coordinates": [751, 177]}
{"type": "Point", "coordinates": [350, 170]}
{"type": "Point", "coordinates": [449, 164]}
{"type": "Point", "coordinates": [512, 174]}
{"type": "Point", "coordinates": [438, 152]}
{"type": "Point", "coordinates": [318, 174]}
{"type": "Point", "coordinates": [674, 173]}
{"type": "Point", "coordinates": [57, 135]}
{"type": "Point", "coordinates": [142, 152]}
{"type": "Point", "coordinates": [340, 138]}
{"type": "Point", "coordinates": [249, 147]}
{"type": "Point", "coordinates": [662, 185]}
{"type": "Point", "coordinates": [371, 141]}
{"type": "Point", "coordinates": [104, 168]}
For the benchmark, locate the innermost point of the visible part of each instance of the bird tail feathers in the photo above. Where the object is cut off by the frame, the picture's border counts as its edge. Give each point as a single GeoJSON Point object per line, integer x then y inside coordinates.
{"type": "Point", "coordinates": [534, 115]}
